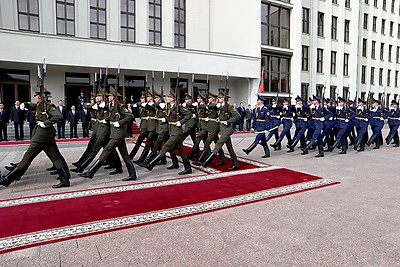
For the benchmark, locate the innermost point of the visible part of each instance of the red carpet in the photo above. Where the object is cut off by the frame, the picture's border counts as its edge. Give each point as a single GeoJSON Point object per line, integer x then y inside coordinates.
{"type": "Point", "coordinates": [25, 225]}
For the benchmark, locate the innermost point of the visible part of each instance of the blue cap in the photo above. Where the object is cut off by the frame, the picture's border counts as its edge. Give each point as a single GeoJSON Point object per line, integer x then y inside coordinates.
{"type": "Point", "coordinates": [274, 98]}
{"type": "Point", "coordinates": [362, 101]}
{"type": "Point", "coordinates": [299, 98]}
{"type": "Point", "coordinates": [376, 101]}
{"type": "Point", "coordinates": [351, 102]}
{"type": "Point", "coordinates": [285, 100]}
{"type": "Point", "coordinates": [341, 99]}
{"type": "Point", "coordinates": [394, 102]}
{"type": "Point", "coordinates": [316, 98]}
{"type": "Point", "coordinates": [260, 97]}
{"type": "Point", "coordinates": [309, 98]}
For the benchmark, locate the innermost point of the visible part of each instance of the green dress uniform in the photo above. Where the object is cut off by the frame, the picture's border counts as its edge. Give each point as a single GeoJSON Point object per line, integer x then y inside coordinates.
{"type": "Point", "coordinates": [43, 139]}
{"type": "Point", "coordinates": [118, 117]}
{"type": "Point", "coordinates": [143, 127]}
{"type": "Point", "coordinates": [175, 116]}
{"type": "Point", "coordinates": [191, 125]}
{"type": "Point", "coordinates": [202, 125]}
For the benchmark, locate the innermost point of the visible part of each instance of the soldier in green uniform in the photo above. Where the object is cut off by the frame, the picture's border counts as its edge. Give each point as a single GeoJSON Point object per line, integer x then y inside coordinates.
{"type": "Point", "coordinates": [191, 125]}
{"type": "Point", "coordinates": [175, 117]}
{"type": "Point", "coordinates": [118, 116]}
{"type": "Point", "coordinates": [202, 124]}
{"type": "Point", "coordinates": [227, 114]}
{"type": "Point", "coordinates": [143, 124]}
{"type": "Point", "coordinates": [43, 139]}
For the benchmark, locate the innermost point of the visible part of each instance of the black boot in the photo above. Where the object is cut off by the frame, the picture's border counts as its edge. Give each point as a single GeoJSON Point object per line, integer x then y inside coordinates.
{"type": "Point", "coordinates": [344, 148]}
{"type": "Point", "coordinates": [14, 164]}
{"type": "Point", "coordinates": [221, 158]}
{"type": "Point", "coordinates": [250, 148]}
{"type": "Point", "coordinates": [293, 145]}
{"type": "Point", "coordinates": [278, 147]}
{"type": "Point", "coordinates": [175, 163]}
{"type": "Point", "coordinates": [267, 154]}
{"type": "Point", "coordinates": [53, 172]}
{"type": "Point", "coordinates": [202, 157]}
{"type": "Point", "coordinates": [320, 152]}
{"type": "Point", "coordinates": [388, 139]}
{"type": "Point", "coordinates": [52, 168]}
{"type": "Point", "coordinates": [194, 152]}
{"type": "Point", "coordinates": [152, 163]}
{"type": "Point", "coordinates": [377, 144]}
{"type": "Point", "coordinates": [277, 144]}
{"type": "Point", "coordinates": [142, 157]}
{"type": "Point", "coordinates": [10, 177]}
{"type": "Point", "coordinates": [131, 172]}
{"type": "Point", "coordinates": [83, 165]}
{"type": "Point", "coordinates": [370, 141]}
{"type": "Point", "coordinates": [357, 144]}
{"type": "Point", "coordinates": [208, 160]}
{"type": "Point", "coordinates": [116, 171]}
{"type": "Point", "coordinates": [64, 180]}
{"type": "Point", "coordinates": [90, 173]}
{"type": "Point", "coordinates": [396, 141]}
{"type": "Point", "coordinates": [331, 148]}
{"type": "Point", "coordinates": [10, 168]}
{"type": "Point", "coordinates": [163, 161]}
{"type": "Point", "coordinates": [235, 163]}
{"type": "Point", "coordinates": [187, 169]}
{"type": "Point", "coordinates": [306, 148]}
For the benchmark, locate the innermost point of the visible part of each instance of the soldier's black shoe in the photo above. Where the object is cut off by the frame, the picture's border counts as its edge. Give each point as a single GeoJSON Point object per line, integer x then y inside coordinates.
{"type": "Point", "coordinates": [250, 148]}
{"type": "Point", "coordinates": [10, 177]}
{"type": "Point", "coordinates": [109, 167]}
{"type": "Point", "coordinates": [235, 163]}
{"type": "Point", "coordinates": [278, 147]}
{"type": "Point", "coordinates": [277, 144]}
{"type": "Point", "coordinates": [83, 165]}
{"type": "Point", "coordinates": [131, 172]}
{"type": "Point", "coordinates": [64, 180]}
{"type": "Point", "coordinates": [397, 145]}
{"type": "Point", "coordinates": [175, 162]}
{"type": "Point", "coordinates": [293, 145]}
{"type": "Point", "coordinates": [267, 154]}
{"type": "Point", "coordinates": [116, 171]}
{"type": "Point", "coordinates": [52, 168]}
{"type": "Point", "coordinates": [306, 148]}
{"type": "Point", "coordinates": [53, 172]}
{"type": "Point", "coordinates": [173, 166]}
{"type": "Point", "coordinates": [370, 141]}
{"type": "Point", "coordinates": [150, 165]}
{"type": "Point", "coordinates": [163, 161]}
{"type": "Point", "coordinates": [76, 164]}
{"type": "Point", "coordinates": [320, 152]}
{"type": "Point", "coordinates": [14, 164]}
{"type": "Point", "coordinates": [361, 149]}
{"type": "Point", "coordinates": [208, 160]}
{"type": "Point", "coordinates": [10, 168]}
{"type": "Point", "coordinates": [186, 164]}
{"type": "Point", "coordinates": [92, 170]}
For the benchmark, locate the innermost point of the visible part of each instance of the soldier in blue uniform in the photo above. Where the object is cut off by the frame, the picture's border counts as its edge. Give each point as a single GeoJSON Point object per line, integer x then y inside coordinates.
{"type": "Point", "coordinates": [318, 116]}
{"type": "Point", "coordinates": [327, 132]}
{"type": "Point", "coordinates": [377, 123]}
{"type": "Point", "coordinates": [361, 123]}
{"type": "Point", "coordinates": [260, 124]}
{"type": "Point", "coordinates": [310, 130]}
{"type": "Point", "coordinates": [393, 116]}
{"type": "Point", "coordinates": [275, 120]}
{"type": "Point", "coordinates": [301, 123]}
{"type": "Point", "coordinates": [287, 122]}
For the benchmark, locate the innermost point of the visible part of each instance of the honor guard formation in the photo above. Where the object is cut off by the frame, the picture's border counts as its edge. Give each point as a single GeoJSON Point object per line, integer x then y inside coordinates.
{"type": "Point", "coordinates": [165, 122]}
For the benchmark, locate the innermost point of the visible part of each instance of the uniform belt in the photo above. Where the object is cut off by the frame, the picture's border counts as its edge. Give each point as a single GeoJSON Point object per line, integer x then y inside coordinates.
{"type": "Point", "coordinates": [172, 123]}
{"type": "Point", "coordinates": [358, 118]}
{"type": "Point", "coordinates": [222, 122]}
{"type": "Point", "coordinates": [143, 118]}
{"type": "Point", "coordinates": [376, 117]}
{"type": "Point", "coordinates": [212, 119]}
{"type": "Point", "coordinates": [301, 118]}
{"type": "Point", "coordinates": [93, 119]}
{"type": "Point", "coordinates": [286, 118]}
{"type": "Point", "coordinates": [316, 118]}
{"type": "Point", "coordinates": [392, 118]}
{"type": "Point", "coordinates": [274, 116]}
{"type": "Point", "coordinates": [113, 122]}
{"type": "Point", "coordinates": [37, 122]}
{"type": "Point", "coordinates": [152, 118]}
{"type": "Point", "coordinates": [202, 119]}
{"type": "Point", "coordinates": [160, 119]}
{"type": "Point", "coordinates": [341, 119]}
{"type": "Point", "coordinates": [260, 120]}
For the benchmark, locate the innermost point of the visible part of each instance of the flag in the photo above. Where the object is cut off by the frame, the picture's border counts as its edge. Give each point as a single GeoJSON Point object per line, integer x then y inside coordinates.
{"type": "Point", "coordinates": [261, 85]}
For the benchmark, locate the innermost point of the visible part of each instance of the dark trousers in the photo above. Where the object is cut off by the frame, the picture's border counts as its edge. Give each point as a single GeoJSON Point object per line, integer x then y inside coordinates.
{"type": "Point", "coordinates": [248, 124]}
{"type": "Point", "coordinates": [129, 129]}
{"type": "Point", "coordinates": [61, 129]}
{"type": "Point", "coordinates": [73, 130]}
{"type": "Point", "coordinates": [241, 123]}
{"type": "Point", "coordinates": [3, 131]}
{"type": "Point", "coordinates": [85, 129]}
{"type": "Point", "coordinates": [19, 133]}
{"type": "Point", "coordinates": [31, 127]}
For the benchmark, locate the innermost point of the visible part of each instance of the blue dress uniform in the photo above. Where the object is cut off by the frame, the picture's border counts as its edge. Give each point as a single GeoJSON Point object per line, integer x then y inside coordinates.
{"type": "Point", "coordinates": [275, 120]}
{"type": "Point", "coordinates": [301, 123]}
{"type": "Point", "coordinates": [327, 131]}
{"type": "Point", "coordinates": [318, 116]}
{"type": "Point", "coordinates": [393, 116]}
{"type": "Point", "coordinates": [377, 122]}
{"type": "Point", "coordinates": [287, 122]}
{"type": "Point", "coordinates": [310, 130]}
{"type": "Point", "coordinates": [361, 123]}
{"type": "Point", "coordinates": [261, 123]}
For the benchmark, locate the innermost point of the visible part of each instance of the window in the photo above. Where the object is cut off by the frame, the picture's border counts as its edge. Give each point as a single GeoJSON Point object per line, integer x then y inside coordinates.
{"type": "Point", "coordinates": [390, 53]}
{"type": "Point", "coordinates": [380, 76]}
{"type": "Point", "coordinates": [28, 15]}
{"type": "Point", "coordinates": [347, 31]}
{"type": "Point", "coordinates": [364, 48]}
{"type": "Point", "coordinates": [375, 3]}
{"type": "Point", "coordinates": [384, 5]}
{"type": "Point", "coordinates": [374, 23]}
{"type": "Point", "coordinates": [371, 80]}
{"type": "Point", "coordinates": [392, 8]}
{"type": "Point", "coordinates": [180, 23]}
{"type": "Point", "coordinates": [334, 2]}
{"type": "Point", "coordinates": [391, 28]}
{"type": "Point", "coordinates": [363, 70]}
{"type": "Point", "coordinates": [388, 77]}
{"type": "Point", "coordinates": [383, 26]}
{"type": "Point", "coordinates": [98, 19]}
{"type": "Point", "coordinates": [334, 28]}
{"type": "Point", "coordinates": [396, 78]}
{"type": "Point", "coordinates": [275, 25]}
{"type": "Point", "coordinates": [346, 65]}
{"type": "Point", "coordinates": [306, 20]}
{"type": "Point", "coordinates": [333, 62]}
{"type": "Point", "coordinates": [320, 54]}
{"type": "Point", "coordinates": [155, 22]}
{"type": "Point", "coordinates": [365, 21]}
{"type": "Point", "coordinates": [398, 54]}
{"type": "Point", "coordinates": [128, 21]}
{"type": "Point", "coordinates": [304, 90]}
{"type": "Point", "coordinates": [373, 49]}
{"type": "Point", "coordinates": [366, 2]}
{"type": "Point", "coordinates": [382, 51]}
{"type": "Point", "coordinates": [304, 58]}
{"type": "Point", "coordinates": [398, 31]}
{"type": "Point", "coordinates": [77, 78]}
{"type": "Point", "coordinates": [277, 73]}
{"type": "Point", "coordinates": [66, 17]}
{"type": "Point", "coordinates": [347, 3]}
{"type": "Point", "coordinates": [320, 24]}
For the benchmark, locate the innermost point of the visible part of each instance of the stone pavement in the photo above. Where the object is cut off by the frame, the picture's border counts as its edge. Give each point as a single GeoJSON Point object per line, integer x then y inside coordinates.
{"type": "Point", "coordinates": [354, 223]}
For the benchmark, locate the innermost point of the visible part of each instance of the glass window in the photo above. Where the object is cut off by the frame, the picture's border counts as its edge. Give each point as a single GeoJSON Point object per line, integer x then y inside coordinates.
{"type": "Point", "coordinates": [128, 21]}
{"type": "Point", "coordinates": [347, 31]}
{"type": "Point", "coordinates": [277, 73]}
{"type": "Point", "coordinates": [320, 24]}
{"type": "Point", "coordinates": [275, 25]}
{"type": "Point", "coordinates": [304, 58]}
{"type": "Point", "coordinates": [155, 22]}
{"type": "Point", "coordinates": [334, 28]}
{"type": "Point", "coordinates": [373, 49]}
{"type": "Point", "coordinates": [363, 70]}
{"type": "Point", "coordinates": [180, 23]}
{"type": "Point", "coordinates": [374, 23]}
{"type": "Point", "coordinates": [320, 54]}
{"type": "Point", "coordinates": [381, 76]}
{"type": "Point", "coordinates": [65, 17]}
{"type": "Point", "coordinates": [306, 20]}
{"type": "Point", "coordinates": [98, 19]}
{"type": "Point", "coordinates": [333, 62]}
{"type": "Point", "coordinates": [346, 65]}
{"type": "Point", "coordinates": [364, 48]}
{"type": "Point", "coordinates": [382, 51]}
{"type": "Point", "coordinates": [28, 15]}
{"type": "Point", "coordinates": [365, 21]}
{"type": "Point", "coordinates": [371, 80]}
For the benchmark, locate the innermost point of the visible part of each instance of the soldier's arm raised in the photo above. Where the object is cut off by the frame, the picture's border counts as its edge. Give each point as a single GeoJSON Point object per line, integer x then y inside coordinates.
{"type": "Point", "coordinates": [54, 117]}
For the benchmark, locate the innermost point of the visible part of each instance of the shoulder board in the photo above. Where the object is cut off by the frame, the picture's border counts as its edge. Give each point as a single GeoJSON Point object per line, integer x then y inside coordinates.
{"type": "Point", "coordinates": [121, 104]}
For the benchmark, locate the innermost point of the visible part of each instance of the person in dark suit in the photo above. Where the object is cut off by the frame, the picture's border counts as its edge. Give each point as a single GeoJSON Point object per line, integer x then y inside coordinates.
{"type": "Point", "coordinates": [249, 117]}
{"type": "Point", "coordinates": [80, 100]}
{"type": "Point", "coordinates": [61, 123]}
{"type": "Point", "coordinates": [242, 111]}
{"type": "Point", "coordinates": [131, 100]}
{"type": "Point", "coordinates": [18, 117]}
{"type": "Point", "coordinates": [73, 118]}
{"type": "Point", "coordinates": [85, 120]}
{"type": "Point", "coordinates": [129, 124]}
{"type": "Point", "coordinates": [31, 114]}
{"type": "Point", "coordinates": [3, 123]}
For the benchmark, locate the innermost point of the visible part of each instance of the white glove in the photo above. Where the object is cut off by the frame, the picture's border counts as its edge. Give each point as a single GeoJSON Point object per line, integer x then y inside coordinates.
{"type": "Point", "coordinates": [194, 104]}
{"type": "Point", "coordinates": [266, 131]}
{"type": "Point", "coordinates": [147, 118]}
{"type": "Point", "coordinates": [366, 119]}
{"type": "Point", "coordinates": [218, 105]}
{"type": "Point", "coordinates": [286, 107]}
{"type": "Point", "coordinates": [331, 118]}
{"type": "Point", "coordinates": [206, 119]}
{"type": "Point", "coordinates": [178, 124]}
{"type": "Point", "coordinates": [134, 105]}
{"type": "Point", "coordinates": [359, 107]}
{"type": "Point", "coordinates": [217, 119]}
{"type": "Point", "coordinates": [116, 124]}
{"type": "Point", "coordinates": [391, 108]}
{"type": "Point", "coordinates": [346, 120]}
{"type": "Point", "coordinates": [382, 119]}
{"type": "Point", "coordinates": [162, 105]}
{"type": "Point", "coordinates": [278, 117]}
{"type": "Point", "coordinates": [298, 106]}
{"type": "Point", "coordinates": [312, 106]}
{"type": "Point", "coordinates": [184, 105]}
{"type": "Point", "coordinates": [151, 103]}
{"type": "Point", "coordinates": [143, 104]}
{"type": "Point", "coordinates": [274, 106]}
{"type": "Point", "coordinates": [226, 123]}
{"type": "Point", "coordinates": [41, 124]}
{"type": "Point", "coordinates": [194, 116]}
{"type": "Point", "coordinates": [398, 119]}
{"type": "Point", "coordinates": [22, 106]}
{"type": "Point", "coordinates": [339, 107]}
{"type": "Point", "coordinates": [322, 119]}
{"type": "Point", "coordinates": [163, 120]}
{"type": "Point", "coordinates": [305, 119]}
{"type": "Point", "coordinates": [104, 121]}
{"type": "Point", "coordinates": [102, 104]}
{"type": "Point", "coordinates": [95, 107]}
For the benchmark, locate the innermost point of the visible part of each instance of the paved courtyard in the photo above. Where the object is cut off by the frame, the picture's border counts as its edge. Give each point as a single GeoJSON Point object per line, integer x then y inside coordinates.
{"type": "Point", "coordinates": [355, 223]}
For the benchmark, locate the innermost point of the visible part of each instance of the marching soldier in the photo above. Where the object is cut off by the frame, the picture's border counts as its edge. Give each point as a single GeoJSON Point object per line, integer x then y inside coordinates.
{"type": "Point", "coordinates": [260, 124]}
{"type": "Point", "coordinates": [192, 123]}
{"type": "Point", "coordinates": [393, 116]}
{"type": "Point", "coordinates": [143, 124]}
{"type": "Point", "coordinates": [286, 117]}
{"type": "Point", "coordinates": [202, 114]}
{"type": "Point", "coordinates": [43, 139]}
{"type": "Point", "coordinates": [301, 122]}
{"type": "Point", "coordinates": [275, 121]}
{"type": "Point", "coordinates": [377, 123]}
{"type": "Point", "coordinates": [118, 116]}
{"type": "Point", "coordinates": [361, 123]}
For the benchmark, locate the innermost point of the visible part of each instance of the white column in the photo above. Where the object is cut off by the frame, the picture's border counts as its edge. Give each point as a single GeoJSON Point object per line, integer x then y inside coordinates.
{"type": "Point", "coordinates": [113, 20]}
{"type": "Point", "coordinates": [8, 14]}
{"type": "Point", "coordinates": [142, 22]}
{"type": "Point", "coordinates": [47, 16]}
{"type": "Point", "coordinates": [167, 20]}
{"type": "Point", "coordinates": [82, 18]}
